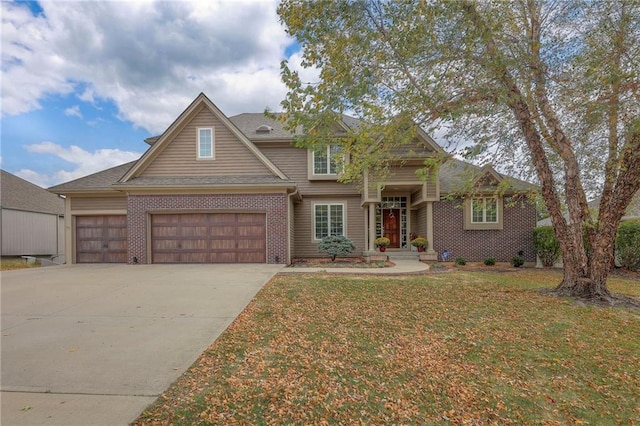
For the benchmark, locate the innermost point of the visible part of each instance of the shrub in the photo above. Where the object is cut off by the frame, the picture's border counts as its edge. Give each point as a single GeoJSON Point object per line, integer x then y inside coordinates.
{"type": "Point", "coordinates": [546, 245]}
{"type": "Point", "coordinates": [336, 246]}
{"type": "Point", "coordinates": [490, 261]}
{"type": "Point", "coordinates": [517, 261]}
{"type": "Point", "coordinates": [628, 245]}
{"type": "Point", "coordinates": [461, 261]}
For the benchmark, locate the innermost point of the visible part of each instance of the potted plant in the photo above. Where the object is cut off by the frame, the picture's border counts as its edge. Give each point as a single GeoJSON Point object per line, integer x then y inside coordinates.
{"type": "Point", "coordinates": [382, 243]}
{"type": "Point", "coordinates": [420, 242]}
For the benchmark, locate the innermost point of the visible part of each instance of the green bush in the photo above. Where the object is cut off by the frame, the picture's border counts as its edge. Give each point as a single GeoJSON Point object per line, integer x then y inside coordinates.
{"type": "Point", "coordinates": [461, 261]}
{"type": "Point", "coordinates": [628, 245]}
{"type": "Point", "coordinates": [336, 246]}
{"type": "Point", "coordinates": [546, 245]}
{"type": "Point", "coordinates": [517, 261]}
{"type": "Point", "coordinates": [490, 261]}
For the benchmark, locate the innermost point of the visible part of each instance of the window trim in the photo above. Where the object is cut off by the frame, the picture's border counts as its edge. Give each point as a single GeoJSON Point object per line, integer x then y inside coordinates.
{"type": "Point", "coordinates": [469, 224]}
{"type": "Point", "coordinates": [213, 144]}
{"type": "Point", "coordinates": [311, 159]}
{"type": "Point", "coordinates": [343, 204]}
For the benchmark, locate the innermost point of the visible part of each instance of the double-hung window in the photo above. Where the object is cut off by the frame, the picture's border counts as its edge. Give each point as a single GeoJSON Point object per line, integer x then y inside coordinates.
{"type": "Point", "coordinates": [484, 210]}
{"type": "Point", "coordinates": [327, 160]}
{"type": "Point", "coordinates": [206, 142]}
{"type": "Point", "coordinates": [328, 220]}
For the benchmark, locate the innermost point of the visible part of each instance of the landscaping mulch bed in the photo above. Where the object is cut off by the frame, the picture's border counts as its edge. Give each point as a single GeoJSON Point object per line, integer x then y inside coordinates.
{"type": "Point", "coordinates": [346, 262]}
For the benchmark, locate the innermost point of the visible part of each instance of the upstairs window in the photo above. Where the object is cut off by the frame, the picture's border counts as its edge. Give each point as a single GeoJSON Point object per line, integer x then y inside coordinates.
{"type": "Point", "coordinates": [205, 142]}
{"type": "Point", "coordinates": [327, 161]}
{"type": "Point", "coordinates": [484, 210]}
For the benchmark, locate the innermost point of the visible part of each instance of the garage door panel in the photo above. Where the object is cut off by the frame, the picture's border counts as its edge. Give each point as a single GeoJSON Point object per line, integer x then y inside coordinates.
{"type": "Point", "coordinates": [101, 239]}
{"type": "Point", "coordinates": [223, 257]}
{"type": "Point", "coordinates": [164, 245]}
{"type": "Point", "coordinates": [208, 238]}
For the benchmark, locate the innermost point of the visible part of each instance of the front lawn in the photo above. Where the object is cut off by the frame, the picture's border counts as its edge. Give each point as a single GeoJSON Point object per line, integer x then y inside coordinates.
{"type": "Point", "coordinates": [462, 347]}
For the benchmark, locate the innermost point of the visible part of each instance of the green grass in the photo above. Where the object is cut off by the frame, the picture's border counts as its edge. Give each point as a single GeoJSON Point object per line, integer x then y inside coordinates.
{"type": "Point", "coordinates": [460, 347]}
{"type": "Point", "coordinates": [12, 263]}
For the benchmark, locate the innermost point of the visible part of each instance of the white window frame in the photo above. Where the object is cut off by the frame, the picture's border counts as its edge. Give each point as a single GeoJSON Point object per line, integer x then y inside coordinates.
{"type": "Point", "coordinates": [328, 153]}
{"type": "Point", "coordinates": [199, 146]}
{"type": "Point", "coordinates": [329, 205]}
{"type": "Point", "coordinates": [484, 200]}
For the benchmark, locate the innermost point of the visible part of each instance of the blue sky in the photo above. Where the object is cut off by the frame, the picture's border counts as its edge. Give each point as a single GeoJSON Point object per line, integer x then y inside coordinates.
{"type": "Point", "coordinates": [83, 83]}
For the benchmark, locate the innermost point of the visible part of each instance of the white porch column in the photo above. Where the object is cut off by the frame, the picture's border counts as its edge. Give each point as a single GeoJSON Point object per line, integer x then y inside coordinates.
{"type": "Point", "coordinates": [430, 226]}
{"type": "Point", "coordinates": [372, 226]}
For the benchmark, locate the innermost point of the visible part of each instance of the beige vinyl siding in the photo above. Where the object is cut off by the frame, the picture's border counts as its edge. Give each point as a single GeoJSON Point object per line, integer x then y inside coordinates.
{"type": "Point", "coordinates": [98, 203]}
{"type": "Point", "coordinates": [293, 162]}
{"type": "Point", "coordinates": [231, 156]}
{"type": "Point", "coordinates": [416, 197]}
{"type": "Point", "coordinates": [419, 221]}
{"type": "Point", "coordinates": [304, 244]}
{"type": "Point", "coordinates": [405, 173]}
{"type": "Point", "coordinates": [30, 233]}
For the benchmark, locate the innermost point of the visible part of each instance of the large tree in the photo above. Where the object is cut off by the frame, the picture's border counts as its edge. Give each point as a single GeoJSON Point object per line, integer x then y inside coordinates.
{"type": "Point", "coordinates": [549, 87]}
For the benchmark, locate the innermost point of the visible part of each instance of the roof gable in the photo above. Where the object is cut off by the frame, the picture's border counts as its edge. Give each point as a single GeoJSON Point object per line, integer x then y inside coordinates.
{"type": "Point", "coordinates": [18, 194]}
{"type": "Point", "coordinates": [170, 156]}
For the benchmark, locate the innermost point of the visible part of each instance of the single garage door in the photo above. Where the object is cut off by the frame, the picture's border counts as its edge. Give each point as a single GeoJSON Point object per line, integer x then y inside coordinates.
{"type": "Point", "coordinates": [208, 238]}
{"type": "Point", "coordinates": [101, 239]}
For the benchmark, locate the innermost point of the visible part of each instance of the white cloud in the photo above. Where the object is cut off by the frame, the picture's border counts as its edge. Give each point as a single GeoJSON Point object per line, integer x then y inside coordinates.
{"type": "Point", "coordinates": [83, 162]}
{"type": "Point", "coordinates": [73, 111]}
{"type": "Point", "coordinates": [150, 58]}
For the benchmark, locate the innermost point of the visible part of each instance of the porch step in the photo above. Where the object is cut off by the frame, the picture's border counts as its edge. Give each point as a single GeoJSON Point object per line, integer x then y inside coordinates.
{"type": "Point", "coordinates": [402, 255]}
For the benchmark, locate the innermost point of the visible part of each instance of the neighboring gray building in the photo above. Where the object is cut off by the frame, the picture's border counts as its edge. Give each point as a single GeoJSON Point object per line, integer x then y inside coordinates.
{"type": "Point", "coordinates": [32, 219]}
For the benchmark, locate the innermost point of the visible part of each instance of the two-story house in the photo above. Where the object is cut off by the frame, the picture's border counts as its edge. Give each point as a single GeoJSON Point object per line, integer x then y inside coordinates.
{"type": "Point", "coordinates": [218, 189]}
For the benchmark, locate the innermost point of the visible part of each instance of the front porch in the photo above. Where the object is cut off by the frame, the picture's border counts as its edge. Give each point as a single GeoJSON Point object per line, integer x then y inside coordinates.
{"type": "Point", "coordinates": [399, 216]}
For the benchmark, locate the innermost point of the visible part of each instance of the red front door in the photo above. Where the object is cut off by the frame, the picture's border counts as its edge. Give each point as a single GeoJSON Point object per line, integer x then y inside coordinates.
{"type": "Point", "coordinates": [391, 225]}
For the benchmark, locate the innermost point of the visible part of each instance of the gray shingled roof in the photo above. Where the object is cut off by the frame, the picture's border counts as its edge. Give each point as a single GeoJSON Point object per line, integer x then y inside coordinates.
{"type": "Point", "coordinates": [454, 173]}
{"type": "Point", "coordinates": [249, 122]}
{"type": "Point", "coordinates": [97, 181]}
{"type": "Point", "coordinates": [195, 181]}
{"type": "Point", "coordinates": [18, 194]}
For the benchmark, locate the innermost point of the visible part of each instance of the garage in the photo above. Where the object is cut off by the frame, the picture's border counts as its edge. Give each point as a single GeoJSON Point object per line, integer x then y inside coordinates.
{"type": "Point", "coordinates": [208, 238]}
{"type": "Point", "coordinates": [101, 239]}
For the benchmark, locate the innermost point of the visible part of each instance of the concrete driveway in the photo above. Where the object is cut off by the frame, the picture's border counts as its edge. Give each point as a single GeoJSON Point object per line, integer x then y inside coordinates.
{"type": "Point", "coordinates": [96, 344]}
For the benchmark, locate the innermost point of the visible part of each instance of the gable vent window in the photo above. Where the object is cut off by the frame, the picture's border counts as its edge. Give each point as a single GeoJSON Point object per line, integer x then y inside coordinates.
{"type": "Point", "coordinates": [205, 142]}
{"type": "Point", "coordinates": [264, 129]}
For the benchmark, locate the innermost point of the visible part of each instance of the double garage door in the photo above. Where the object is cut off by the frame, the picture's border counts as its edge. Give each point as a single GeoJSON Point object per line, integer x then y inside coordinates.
{"type": "Point", "coordinates": [176, 238]}
{"type": "Point", "coordinates": [208, 238]}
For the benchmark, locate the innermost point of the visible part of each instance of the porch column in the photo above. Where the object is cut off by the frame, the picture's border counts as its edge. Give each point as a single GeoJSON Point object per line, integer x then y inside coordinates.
{"type": "Point", "coordinates": [372, 226]}
{"type": "Point", "coordinates": [430, 226]}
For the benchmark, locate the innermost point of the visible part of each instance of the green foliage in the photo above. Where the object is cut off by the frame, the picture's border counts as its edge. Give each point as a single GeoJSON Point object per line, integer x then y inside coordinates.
{"type": "Point", "coordinates": [546, 245]}
{"type": "Point", "coordinates": [336, 246]}
{"type": "Point", "coordinates": [517, 261]}
{"type": "Point", "coordinates": [628, 245]}
{"type": "Point", "coordinates": [490, 261]}
{"type": "Point", "coordinates": [381, 242]}
{"type": "Point", "coordinates": [461, 261]}
{"type": "Point", "coordinates": [420, 242]}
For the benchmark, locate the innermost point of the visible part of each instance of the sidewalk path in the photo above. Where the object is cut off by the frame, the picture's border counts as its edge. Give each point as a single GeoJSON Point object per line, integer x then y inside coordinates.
{"type": "Point", "coordinates": [401, 267]}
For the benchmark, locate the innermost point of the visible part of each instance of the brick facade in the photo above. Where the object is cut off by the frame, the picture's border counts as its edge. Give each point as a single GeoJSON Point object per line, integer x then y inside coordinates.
{"type": "Point", "coordinates": [274, 205]}
{"type": "Point", "coordinates": [477, 245]}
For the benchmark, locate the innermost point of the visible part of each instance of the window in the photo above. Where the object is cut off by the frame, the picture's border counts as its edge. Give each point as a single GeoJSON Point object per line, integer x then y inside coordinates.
{"type": "Point", "coordinates": [327, 161]}
{"type": "Point", "coordinates": [328, 220]}
{"type": "Point", "coordinates": [483, 213]}
{"type": "Point", "coordinates": [205, 142]}
{"type": "Point", "coordinates": [484, 210]}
